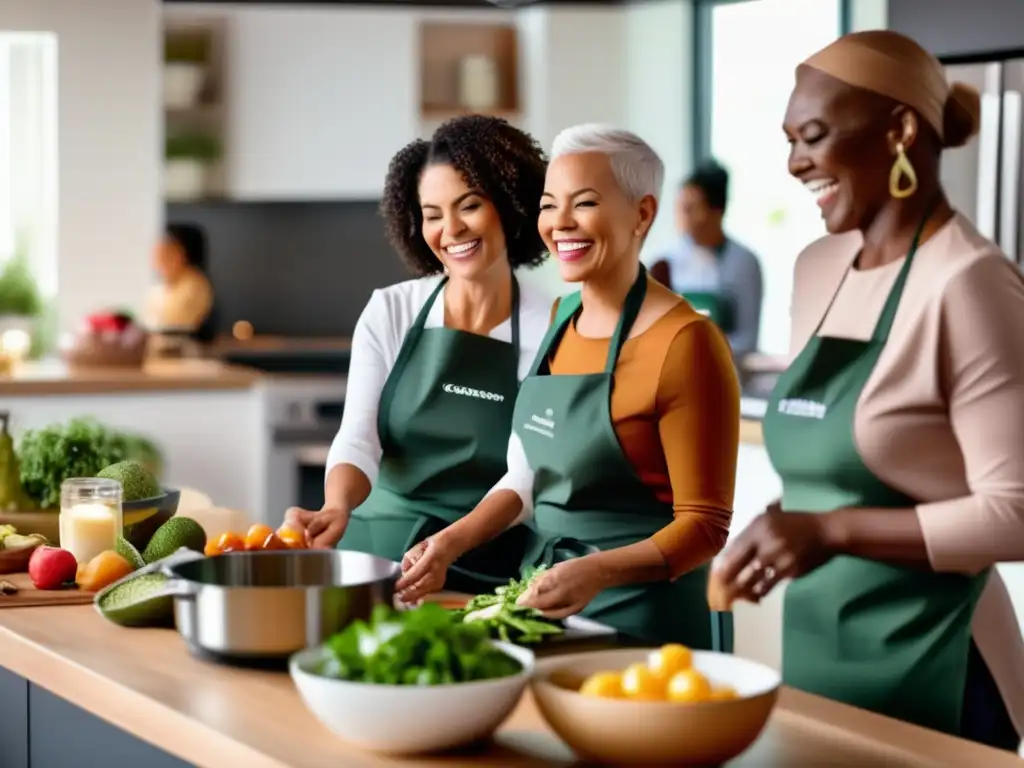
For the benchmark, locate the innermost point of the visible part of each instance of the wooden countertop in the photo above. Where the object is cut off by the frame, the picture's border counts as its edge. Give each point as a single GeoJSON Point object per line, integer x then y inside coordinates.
{"type": "Point", "coordinates": [750, 432]}
{"type": "Point", "coordinates": [55, 378]}
{"type": "Point", "coordinates": [144, 682]}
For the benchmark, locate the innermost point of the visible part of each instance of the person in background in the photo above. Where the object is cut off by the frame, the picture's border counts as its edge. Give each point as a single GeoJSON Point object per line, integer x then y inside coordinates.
{"type": "Point", "coordinates": [437, 360]}
{"type": "Point", "coordinates": [183, 298]}
{"type": "Point", "coordinates": [716, 274]}
{"type": "Point", "coordinates": [623, 454]}
{"type": "Point", "coordinates": [897, 428]}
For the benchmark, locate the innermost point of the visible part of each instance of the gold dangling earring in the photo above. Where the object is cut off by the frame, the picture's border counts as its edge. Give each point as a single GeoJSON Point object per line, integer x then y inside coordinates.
{"type": "Point", "coordinates": [902, 167]}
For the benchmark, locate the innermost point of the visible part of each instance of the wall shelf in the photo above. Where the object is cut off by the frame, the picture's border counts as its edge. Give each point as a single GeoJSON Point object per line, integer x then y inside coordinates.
{"type": "Point", "coordinates": [199, 45]}
{"type": "Point", "coordinates": [443, 48]}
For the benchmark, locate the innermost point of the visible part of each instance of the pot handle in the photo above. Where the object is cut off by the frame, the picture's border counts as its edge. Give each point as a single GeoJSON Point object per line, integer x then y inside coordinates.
{"type": "Point", "coordinates": [175, 587]}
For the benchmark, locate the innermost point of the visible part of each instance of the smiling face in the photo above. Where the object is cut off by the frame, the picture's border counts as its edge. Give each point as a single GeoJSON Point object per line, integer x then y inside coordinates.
{"type": "Point", "coordinates": [460, 224]}
{"type": "Point", "coordinates": [586, 220]}
{"type": "Point", "coordinates": [842, 142]}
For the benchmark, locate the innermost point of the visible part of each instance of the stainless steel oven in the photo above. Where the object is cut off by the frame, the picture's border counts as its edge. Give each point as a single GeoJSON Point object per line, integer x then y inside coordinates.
{"type": "Point", "coordinates": [303, 414]}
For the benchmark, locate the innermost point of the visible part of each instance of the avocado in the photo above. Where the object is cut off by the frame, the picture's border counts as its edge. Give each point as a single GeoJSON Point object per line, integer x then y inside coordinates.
{"type": "Point", "coordinates": [136, 481]}
{"type": "Point", "coordinates": [138, 601]}
{"type": "Point", "coordinates": [176, 533]}
{"type": "Point", "coordinates": [125, 549]}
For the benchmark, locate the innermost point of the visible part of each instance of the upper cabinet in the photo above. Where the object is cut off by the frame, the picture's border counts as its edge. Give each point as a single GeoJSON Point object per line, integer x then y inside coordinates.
{"type": "Point", "coordinates": [319, 101]}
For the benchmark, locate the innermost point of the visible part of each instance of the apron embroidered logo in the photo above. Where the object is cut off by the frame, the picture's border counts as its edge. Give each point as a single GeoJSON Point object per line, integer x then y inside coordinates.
{"type": "Point", "coordinates": [804, 409]}
{"type": "Point", "coordinates": [479, 394]}
{"type": "Point", "coordinates": [544, 426]}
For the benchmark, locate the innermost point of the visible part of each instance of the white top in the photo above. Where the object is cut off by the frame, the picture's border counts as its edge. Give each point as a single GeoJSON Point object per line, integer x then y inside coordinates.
{"type": "Point", "coordinates": [518, 477]}
{"type": "Point", "coordinates": [378, 336]}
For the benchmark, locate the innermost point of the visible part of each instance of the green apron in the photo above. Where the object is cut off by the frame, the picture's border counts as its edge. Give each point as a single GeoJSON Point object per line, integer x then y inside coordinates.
{"type": "Point", "coordinates": [444, 422]}
{"type": "Point", "coordinates": [718, 307]}
{"type": "Point", "coordinates": [886, 638]}
{"type": "Point", "coordinates": [587, 496]}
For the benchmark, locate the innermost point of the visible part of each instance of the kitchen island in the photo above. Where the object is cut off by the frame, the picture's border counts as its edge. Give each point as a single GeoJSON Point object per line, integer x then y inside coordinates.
{"type": "Point", "coordinates": [76, 691]}
{"type": "Point", "coordinates": [206, 417]}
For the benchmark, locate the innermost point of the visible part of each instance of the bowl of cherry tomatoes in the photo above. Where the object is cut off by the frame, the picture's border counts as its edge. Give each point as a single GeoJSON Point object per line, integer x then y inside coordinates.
{"type": "Point", "coordinates": [656, 706]}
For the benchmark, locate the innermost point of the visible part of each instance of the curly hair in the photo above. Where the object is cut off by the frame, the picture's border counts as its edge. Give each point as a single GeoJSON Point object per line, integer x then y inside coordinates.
{"type": "Point", "coordinates": [504, 163]}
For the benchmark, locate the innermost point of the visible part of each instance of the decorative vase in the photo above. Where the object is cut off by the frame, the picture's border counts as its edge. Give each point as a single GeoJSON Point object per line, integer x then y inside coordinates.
{"type": "Point", "coordinates": [478, 82]}
{"type": "Point", "coordinates": [183, 84]}
{"type": "Point", "coordinates": [184, 179]}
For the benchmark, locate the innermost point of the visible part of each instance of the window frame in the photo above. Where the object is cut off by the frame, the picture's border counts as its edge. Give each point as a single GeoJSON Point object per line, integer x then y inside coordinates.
{"type": "Point", "coordinates": [703, 63]}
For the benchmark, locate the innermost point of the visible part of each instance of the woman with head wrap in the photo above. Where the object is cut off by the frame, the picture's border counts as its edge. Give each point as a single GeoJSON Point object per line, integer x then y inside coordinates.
{"type": "Point", "coordinates": [900, 420]}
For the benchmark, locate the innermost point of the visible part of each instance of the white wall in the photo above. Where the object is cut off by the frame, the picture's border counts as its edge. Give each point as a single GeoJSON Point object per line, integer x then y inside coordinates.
{"type": "Point", "coordinates": [629, 66]}
{"type": "Point", "coordinates": [659, 96]}
{"type": "Point", "coordinates": [869, 14]}
{"type": "Point", "coordinates": [109, 144]}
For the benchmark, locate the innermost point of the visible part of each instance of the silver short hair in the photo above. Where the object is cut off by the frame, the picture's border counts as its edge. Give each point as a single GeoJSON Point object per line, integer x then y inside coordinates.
{"type": "Point", "coordinates": [636, 166]}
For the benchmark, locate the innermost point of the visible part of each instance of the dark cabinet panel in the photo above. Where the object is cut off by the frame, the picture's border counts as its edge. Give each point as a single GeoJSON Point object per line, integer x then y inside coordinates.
{"type": "Point", "coordinates": [960, 28]}
{"type": "Point", "coordinates": [61, 735]}
{"type": "Point", "coordinates": [13, 720]}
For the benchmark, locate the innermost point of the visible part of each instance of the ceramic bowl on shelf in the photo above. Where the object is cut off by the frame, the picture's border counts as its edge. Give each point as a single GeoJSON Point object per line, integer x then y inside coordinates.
{"type": "Point", "coordinates": [624, 732]}
{"type": "Point", "coordinates": [409, 719]}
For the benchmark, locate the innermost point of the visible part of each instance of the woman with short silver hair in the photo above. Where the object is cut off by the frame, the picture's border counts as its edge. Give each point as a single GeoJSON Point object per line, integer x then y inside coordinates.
{"type": "Point", "coordinates": [625, 435]}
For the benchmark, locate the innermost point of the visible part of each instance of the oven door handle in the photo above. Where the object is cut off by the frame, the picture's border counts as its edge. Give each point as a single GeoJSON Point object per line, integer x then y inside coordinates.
{"type": "Point", "coordinates": [312, 454]}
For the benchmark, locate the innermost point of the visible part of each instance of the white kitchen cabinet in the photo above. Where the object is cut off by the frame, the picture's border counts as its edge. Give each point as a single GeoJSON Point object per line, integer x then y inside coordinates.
{"type": "Point", "coordinates": [319, 100]}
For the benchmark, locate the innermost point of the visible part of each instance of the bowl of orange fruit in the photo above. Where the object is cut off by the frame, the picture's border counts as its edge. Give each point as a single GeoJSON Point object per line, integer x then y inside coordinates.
{"type": "Point", "coordinates": [656, 706]}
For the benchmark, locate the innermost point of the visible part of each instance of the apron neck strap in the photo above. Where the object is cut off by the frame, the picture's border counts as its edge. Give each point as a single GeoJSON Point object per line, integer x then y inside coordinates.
{"type": "Point", "coordinates": [892, 303]}
{"type": "Point", "coordinates": [421, 319]}
{"type": "Point", "coordinates": [630, 310]}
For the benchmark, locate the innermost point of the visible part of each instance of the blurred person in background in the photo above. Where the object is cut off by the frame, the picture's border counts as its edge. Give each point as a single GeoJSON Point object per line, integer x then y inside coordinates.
{"type": "Point", "coordinates": [182, 301]}
{"type": "Point", "coordinates": [717, 275]}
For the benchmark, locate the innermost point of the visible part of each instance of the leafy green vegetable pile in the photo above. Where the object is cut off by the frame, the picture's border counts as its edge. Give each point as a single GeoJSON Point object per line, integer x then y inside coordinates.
{"type": "Point", "coordinates": [79, 448]}
{"type": "Point", "coordinates": [498, 613]}
{"type": "Point", "coordinates": [424, 646]}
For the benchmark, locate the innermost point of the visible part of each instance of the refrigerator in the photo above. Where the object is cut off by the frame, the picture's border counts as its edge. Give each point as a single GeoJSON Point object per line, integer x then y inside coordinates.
{"type": "Point", "coordinates": [983, 179]}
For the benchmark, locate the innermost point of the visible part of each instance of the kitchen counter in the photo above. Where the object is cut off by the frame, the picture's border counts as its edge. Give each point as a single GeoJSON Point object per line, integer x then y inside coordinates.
{"type": "Point", "coordinates": [144, 684]}
{"type": "Point", "coordinates": [55, 378]}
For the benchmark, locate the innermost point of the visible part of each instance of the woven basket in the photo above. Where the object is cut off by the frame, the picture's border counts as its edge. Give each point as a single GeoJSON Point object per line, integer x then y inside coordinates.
{"type": "Point", "coordinates": [96, 351]}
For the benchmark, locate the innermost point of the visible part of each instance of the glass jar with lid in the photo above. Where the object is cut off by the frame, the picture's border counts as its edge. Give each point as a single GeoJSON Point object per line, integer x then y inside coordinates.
{"type": "Point", "coordinates": [91, 517]}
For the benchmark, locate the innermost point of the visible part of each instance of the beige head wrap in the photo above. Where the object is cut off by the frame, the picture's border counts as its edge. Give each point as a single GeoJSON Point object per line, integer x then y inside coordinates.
{"type": "Point", "coordinates": [893, 65]}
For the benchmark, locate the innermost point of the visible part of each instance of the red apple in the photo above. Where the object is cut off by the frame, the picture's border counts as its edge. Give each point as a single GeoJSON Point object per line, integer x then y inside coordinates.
{"type": "Point", "coordinates": [52, 567]}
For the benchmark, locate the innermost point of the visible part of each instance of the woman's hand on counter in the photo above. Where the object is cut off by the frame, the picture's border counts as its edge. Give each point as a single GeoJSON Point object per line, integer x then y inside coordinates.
{"type": "Point", "coordinates": [425, 568]}
{"type": "Point", "coordinates": [566, 588]}
{"type": "Point", "coordinates": [323, 528]}
{"type": "Point", "coordinates": [777, 545]}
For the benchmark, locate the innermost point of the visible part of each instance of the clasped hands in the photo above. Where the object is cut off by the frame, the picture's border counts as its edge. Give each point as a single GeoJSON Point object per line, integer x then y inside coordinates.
{"type": "Point", "coordinates": [563, 590]}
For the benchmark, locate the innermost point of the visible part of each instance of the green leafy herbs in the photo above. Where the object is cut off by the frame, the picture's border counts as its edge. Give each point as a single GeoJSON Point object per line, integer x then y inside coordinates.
{"type": "Point", "coordinates": [425, 646]}
{"type": "Point", "coordinates": [499, 615]}
{"type": "Point", "coordinates": [79, 448]}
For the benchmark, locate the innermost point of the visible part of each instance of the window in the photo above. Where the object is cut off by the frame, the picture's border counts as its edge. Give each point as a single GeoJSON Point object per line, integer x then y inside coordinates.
{"type": "Point", "coordinates": [28, 152]}
{"type": "Point", "coordinates": [748, 51]}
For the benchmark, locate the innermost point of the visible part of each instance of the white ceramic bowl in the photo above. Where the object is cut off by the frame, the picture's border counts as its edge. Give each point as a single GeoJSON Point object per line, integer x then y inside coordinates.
{"type": "Point", "coordinates": [624, 732]}
{"type": "Point", "coordinates": [408, 719]}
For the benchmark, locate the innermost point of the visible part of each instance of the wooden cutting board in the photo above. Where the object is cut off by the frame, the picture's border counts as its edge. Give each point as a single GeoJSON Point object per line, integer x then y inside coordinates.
{"type": "Point", "coordinates": [28, 596]}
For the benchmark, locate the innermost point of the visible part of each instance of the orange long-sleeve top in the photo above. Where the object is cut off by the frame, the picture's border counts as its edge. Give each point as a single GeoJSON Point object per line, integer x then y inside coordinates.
{"type": "Point", "coordinates": [675, 408]}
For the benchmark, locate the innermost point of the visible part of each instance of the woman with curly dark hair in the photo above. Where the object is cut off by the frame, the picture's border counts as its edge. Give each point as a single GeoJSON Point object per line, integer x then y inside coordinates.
{"type": "Point", "coordinates": [437, 360]}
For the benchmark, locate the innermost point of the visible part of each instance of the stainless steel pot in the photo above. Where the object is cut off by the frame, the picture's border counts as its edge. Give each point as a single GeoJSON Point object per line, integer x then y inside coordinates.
{"type": "Point", "coordinates": [253, 607]}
